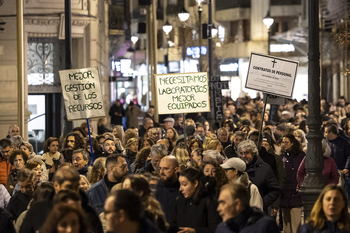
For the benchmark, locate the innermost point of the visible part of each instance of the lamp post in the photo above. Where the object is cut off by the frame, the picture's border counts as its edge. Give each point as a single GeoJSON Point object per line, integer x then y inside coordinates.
{"type": "Point", "coordinates": [134, 39]}
{"type": "Point", "coordinates": [314, 162]}
{"type": "Point", "coordinates": [167, 29]}
{"type": "Point", "coordinates": [268, 21]}
{"type": "Point", "coordinates": [183, 16]}
{"type": "Point", "coordinates": [200, 9]}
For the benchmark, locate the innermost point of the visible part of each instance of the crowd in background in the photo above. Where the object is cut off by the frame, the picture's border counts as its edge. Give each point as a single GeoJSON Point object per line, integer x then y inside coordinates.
{"type": "Point", "coordinates": [224, 177]}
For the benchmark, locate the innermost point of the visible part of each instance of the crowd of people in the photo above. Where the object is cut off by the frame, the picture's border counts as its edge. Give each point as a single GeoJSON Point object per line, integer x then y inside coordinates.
{"type": "Point", "coordinates": [224, 178]}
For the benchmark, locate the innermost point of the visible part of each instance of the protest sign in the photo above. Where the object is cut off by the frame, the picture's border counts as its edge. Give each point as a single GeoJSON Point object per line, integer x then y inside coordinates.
{"type": "Point", "coordinates": [82, 93]}
{"type": "Point", "coordinates": [215, 87]}
{"type": "Point", "coordinates": [271, 75]}
{"type": "Point", "coordinates": [182, 93]}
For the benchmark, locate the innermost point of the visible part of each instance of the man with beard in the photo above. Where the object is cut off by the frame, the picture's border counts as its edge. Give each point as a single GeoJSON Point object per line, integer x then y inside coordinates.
{"type": "Point", "coordinates": [6, 149]}
{"type": "Point", "coordinates": [116, 171]}
{"type": "Point", "coordinates": [19, 202]}
{"type": "Point", "coordinates": [72, 142]}
{"type": "Point", "coordinates": [108, 147]}
{"type": "Point", "coordinates": [168, 187]}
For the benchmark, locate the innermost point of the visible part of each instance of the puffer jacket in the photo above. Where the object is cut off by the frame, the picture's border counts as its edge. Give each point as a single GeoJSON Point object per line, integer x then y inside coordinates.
{"type": "Point", "coordinates": [5, 169]}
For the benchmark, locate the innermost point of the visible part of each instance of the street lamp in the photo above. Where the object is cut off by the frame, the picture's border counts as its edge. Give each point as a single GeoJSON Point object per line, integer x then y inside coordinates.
{"type": "Point", "coordinates": [167, 29]}
{"type": "Point", "coordinates": [183, 16]}
{"type": "Point", "coordinates": [268, 21]}
{"type": "Point", "coordinates": [200, 9]}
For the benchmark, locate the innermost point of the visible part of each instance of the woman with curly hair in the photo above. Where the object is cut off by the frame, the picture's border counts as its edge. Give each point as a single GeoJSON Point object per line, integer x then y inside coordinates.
{"type": "Point", "coordinates": [66, 218]}
{"type": "Point", "coordinates": [172, 134]}
{"type": "Point", "coordinates": [141, 158]}
{"type": "Point", "coordinates": [131, 149]}
{"type": "Point", "coordinates": [212, 169]}
{"type": "Point", "coordinates": [17, 159]}
{"type": "Point", "coordinates": [97, 171]}
{"type": "Point", "coordinates": [153, 210]}
{"type": "Point", "coordinates": [330, 212]}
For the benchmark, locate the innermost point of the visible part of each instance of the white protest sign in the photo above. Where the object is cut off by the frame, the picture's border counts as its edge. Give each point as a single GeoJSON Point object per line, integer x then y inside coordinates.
{"type": "Point", "coordinates": [82, 93]}
{"type": "Point", "coordinates": [182, 93]}
{"type": "Point", "coordinates": [271, 75]}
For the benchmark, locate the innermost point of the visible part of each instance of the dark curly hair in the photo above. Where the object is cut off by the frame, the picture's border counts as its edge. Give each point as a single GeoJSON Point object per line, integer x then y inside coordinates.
{"type": "Point", "coordinates": [79, 142]}
{"type": "Point", "coordinates": [15, 153]}
{"type": "Point", "coordinates": [141, 157]}
{"type": "Point", "coordinates": [296, 148]}
{"type": "Point", "coordinates": [220, 175]}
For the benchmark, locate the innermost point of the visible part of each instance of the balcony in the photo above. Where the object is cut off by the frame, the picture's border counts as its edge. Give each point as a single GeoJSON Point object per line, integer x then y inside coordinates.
{"type": "Point", "coordinates": [224, 4]}
{"type": "Point", "coordinates": [116, 19]}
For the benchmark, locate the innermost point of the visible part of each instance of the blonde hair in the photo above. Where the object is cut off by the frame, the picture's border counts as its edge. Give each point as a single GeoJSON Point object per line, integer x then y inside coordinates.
{"type": "Point", "coordinates": [129, 133]}
{"type": "Point", "coordinates": [181, 155]}
{"type": "Point", "coordinates": [97, 171]}
{"type": "Point", "coordinates": [207, 140]}
{"type": "Point", "coordinates": [213, 145]}
{"type": "Point", "coordinates": [86, 180]}
{"type": "Point", "coordinates": [317, 217]}
{"type": "Point", "coordinates": [120, 133]}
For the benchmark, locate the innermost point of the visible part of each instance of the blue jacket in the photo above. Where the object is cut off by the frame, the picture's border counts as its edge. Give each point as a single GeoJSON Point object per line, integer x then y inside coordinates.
{"type": "Point", "coordinates": [98, 195]}
{"type": "Point", "coordinates": [250, 220]}
{"type": "Point", "coordinates": [340, 151]}
{"type": "Point", "coordinates": [329, 227]}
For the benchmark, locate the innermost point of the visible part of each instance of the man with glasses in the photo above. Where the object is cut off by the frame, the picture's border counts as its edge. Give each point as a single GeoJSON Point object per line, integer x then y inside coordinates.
{"type": "Point", "coordinates": [201, 131]}
{"type": "Point", "coordinates": [117, 169]}
{"type": "Point", "coordinates": [168, 186]}
{"type": "Point", "coordinates": [6, 149]}
{"type": "Point", "coordinates": [260, 173]}
{"type": "Point", "coordinates": [80, 161]}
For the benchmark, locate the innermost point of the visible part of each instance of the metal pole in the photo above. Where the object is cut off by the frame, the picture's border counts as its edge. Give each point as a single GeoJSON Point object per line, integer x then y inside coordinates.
{"type": "Point", "coordinates": [210, 41]}
{"type": "Point", "coordinates": [20, 68]}
{"type": "Point", "coordinates": [184, 125]}
{"type": "Point", "coordinates": [183, 46]}
{"type": "Point", "coordinates": [262, 118]}
{"type": "Point", "coordinates": [314, 162]}
{"type": "Point", "coordinates": [166, 56]}
{"type": "Point", "coordinates": [68, 48]}
{"type": "Point", "coordinates": [268, 40]}
{"type": "Point", "coordinates": [154, 58]}
{"type": "Point", "coordinates": [91, 148]}
{"type": "Point", "coordinates": [200, 9]}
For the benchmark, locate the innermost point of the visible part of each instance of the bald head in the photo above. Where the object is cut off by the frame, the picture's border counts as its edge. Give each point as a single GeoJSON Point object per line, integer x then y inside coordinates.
{"type": "Point", "coordinates": [169, 168]}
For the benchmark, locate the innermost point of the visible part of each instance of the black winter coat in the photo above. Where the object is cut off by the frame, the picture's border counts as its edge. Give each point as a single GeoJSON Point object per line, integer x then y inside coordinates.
{"type": "Point", "coordinates": [116, 120]}
{"type": "Point", "coordinates": [203, 216]}
{"type": "Point", "coordinates": [261, 174]}
{"type": "Point", "coordinates": [6, 222]}
{"type": "Point", "coordinates": [290, 198]}
{"type": "Point", "coordinates": [39, 211]}
{"type": "Point", "coordinates": [18, 203]}
{"type": "Point", "coordinates": [250, 220]}
{"type": "Point", "coordinates": [166, 194]}
{"type": "Point", "coordinates": [329, 227]}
